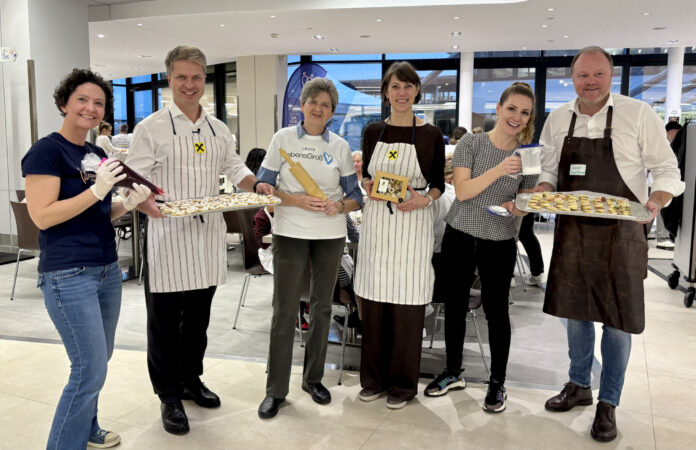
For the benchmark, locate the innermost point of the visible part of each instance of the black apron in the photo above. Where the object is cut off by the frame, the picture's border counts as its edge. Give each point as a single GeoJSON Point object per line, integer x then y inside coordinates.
{"type": "Point", "coordinates": [598, 265]}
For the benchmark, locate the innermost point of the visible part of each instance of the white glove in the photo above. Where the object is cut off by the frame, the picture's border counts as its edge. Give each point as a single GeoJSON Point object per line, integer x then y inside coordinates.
{"type": "Point", "coordinates": [107, 175]}
{"type": "Point", "coordinates": [139, 194]}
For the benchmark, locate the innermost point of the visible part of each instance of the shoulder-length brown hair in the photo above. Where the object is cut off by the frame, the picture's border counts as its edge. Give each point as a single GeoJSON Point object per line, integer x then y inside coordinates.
{"type": "Point", "coordinates": [404, 72]}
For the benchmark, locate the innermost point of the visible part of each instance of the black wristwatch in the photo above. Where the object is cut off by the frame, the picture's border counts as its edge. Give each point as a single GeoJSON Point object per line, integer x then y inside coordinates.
{"type": "Point", "coordinates": [253, 189]}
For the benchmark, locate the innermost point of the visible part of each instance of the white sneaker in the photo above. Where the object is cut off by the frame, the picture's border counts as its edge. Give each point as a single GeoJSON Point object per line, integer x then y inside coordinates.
{"type": "Point", "coordinates": [665, 244]}
{"type": "Point", "coordinates": [512, 283]}
{"type": "Point", "coordinates": [532, 280]}
{"type": "Point", "coordinates": [652, 235]}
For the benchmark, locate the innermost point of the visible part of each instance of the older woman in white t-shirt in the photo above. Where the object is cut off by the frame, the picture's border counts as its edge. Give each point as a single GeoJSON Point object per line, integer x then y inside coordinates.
{"type": "Point", "coordinates": [308, 233]}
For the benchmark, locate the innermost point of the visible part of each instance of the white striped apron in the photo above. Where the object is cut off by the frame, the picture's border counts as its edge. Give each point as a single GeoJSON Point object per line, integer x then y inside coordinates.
{"type": "Point", "coordinates": [395, 249]}
{"type": "Point", "coordinates": [187, 253]}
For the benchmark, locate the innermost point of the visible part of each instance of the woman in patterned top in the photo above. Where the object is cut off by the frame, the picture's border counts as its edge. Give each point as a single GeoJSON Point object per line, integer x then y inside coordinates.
{"type": "Point", "coordinates": [485, 174]}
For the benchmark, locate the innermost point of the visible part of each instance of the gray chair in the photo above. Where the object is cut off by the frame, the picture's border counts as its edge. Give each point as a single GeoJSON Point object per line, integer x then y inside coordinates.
{"type": "Point", "coordinates": [27, 235]}
{"type": "Point", "coordinates": [474, 304]}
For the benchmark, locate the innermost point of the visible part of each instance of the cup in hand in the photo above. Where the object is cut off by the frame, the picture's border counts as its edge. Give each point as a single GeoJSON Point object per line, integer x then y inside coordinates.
{"type": "Point", "coordinates": [531, 159]}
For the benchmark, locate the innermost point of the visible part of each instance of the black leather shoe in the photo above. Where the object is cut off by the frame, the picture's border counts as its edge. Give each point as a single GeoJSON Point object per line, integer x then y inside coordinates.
{"type": "Point", "coordinates": [604, 425]}
{"type": "Point", "coordinates": [202, 396]}
{"type": "Point", "coordinates": [318, 392]}
{"type": "Point", "coordinates": [174, 418]}
{"type": "Point", "coordinates": [269, 407]}
{"type": "Point", "coordinates": [571, 395]}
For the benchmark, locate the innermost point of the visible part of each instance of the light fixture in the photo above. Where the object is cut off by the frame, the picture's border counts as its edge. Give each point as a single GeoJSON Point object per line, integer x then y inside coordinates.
{"type": "Point", "coordinates": [550, 9]}
{"type": "Point", "coordinates": [379, 20]}
{"type": "Point", "coordinates": [646, 13]}
{"type": "Point", "coordinates": [456, 17]}
{"type": "Point", "coordinates": [455, 33]}
{"type": "Point", "coordinates": [272, 16]}
{"type": "Point", "coordinates": [455, 46]}
{"type": "Point", "coordinates": [549, 40]}
{"type": "Point", "coordinates": [274, 35]}
{"type": "Point", "coordinates": [524, 48]}
{"type": "Point", "coordinates": [317, 36]}
{"type": "Point", "coordinates": [640, 50]}
{"type": "Point", "coordinates": [543, 25]}
{"type": "Point", "coordinates": [333, 49]}
{"type": "Point", "coordinates": [672, 41]}
{"type": "Point", "coordinates": [364, 36]}
{"type": "Point", "coordinates": [222, 25]}
{"type": "Point", "coordinates": [138, 24]}
{"type": "Point", "coordinates": [659, 28]}
{"type": "Point", "coordinates": [100, 36]}
{"type": "Point", "coordinates": [561, 81]}
{"type": "Point", "coordinates": [565, 36]}
{"type": "Point", "coordinates": [145, 56]}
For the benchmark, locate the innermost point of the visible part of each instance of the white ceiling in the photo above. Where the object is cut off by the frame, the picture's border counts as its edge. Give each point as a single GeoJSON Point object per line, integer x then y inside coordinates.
{"type": "Point", "coordinates": [407, 26]}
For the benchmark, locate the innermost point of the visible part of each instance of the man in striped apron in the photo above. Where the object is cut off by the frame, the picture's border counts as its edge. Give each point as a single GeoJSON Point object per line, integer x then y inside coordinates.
{"type": "Point", "coordinates": [183, 150]}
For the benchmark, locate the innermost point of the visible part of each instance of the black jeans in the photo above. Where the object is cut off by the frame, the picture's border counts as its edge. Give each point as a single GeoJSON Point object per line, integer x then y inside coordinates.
{"type": "Point", "coordinates": [531, 245]}
{"type": "Point", "coordinates": [177, 324]}
{"type": "Point", "coordinates": [462, 254]}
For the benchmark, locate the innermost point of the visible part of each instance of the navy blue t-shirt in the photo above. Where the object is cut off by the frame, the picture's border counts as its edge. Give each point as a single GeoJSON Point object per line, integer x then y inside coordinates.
{"type": "Point", "coordinates": [87, 239]}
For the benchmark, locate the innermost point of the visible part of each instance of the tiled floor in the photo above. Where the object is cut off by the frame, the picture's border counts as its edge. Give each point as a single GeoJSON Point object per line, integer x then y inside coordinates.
{"type": "Point", "coordinates": [658, 407]}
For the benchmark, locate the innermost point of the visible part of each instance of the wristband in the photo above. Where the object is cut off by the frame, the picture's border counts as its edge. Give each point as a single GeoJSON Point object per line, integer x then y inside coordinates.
{"type": "Point", "coordinates": [431, 200]}
{"type": "Point", "coordinates": [253, 189]}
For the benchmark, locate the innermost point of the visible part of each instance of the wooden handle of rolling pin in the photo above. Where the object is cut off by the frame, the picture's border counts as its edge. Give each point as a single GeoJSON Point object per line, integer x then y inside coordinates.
{"type": "Point", "coordinates": [286, 157]}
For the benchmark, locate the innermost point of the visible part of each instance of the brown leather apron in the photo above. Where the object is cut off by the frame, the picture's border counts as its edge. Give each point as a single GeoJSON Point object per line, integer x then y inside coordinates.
{"type": "Point", "coordinates": [598, 265]}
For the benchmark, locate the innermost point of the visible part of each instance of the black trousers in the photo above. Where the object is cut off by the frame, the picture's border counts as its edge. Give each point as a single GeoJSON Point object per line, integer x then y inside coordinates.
{"type": "Point", "coordinates": [531, 245]}
{"type": "Point", "coordinates": [177, 324]}
{"type": "Point", "coordinates": [391, 348]}
{"type": "Point", "coordinates": [495, 260]}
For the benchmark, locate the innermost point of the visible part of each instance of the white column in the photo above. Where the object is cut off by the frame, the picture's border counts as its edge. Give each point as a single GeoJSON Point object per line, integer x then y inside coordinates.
{"type": "Point", "coordinates": [675, 72]}
{"type": "Point", "coordinates": [261, 84]}
{"type": "Point", "coordinates": [55, 35]}
{"type": "Point", "coordinates": [466, 89]}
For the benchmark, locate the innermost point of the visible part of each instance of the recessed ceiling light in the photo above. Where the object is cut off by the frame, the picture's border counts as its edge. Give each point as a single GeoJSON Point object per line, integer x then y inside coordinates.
{"type": "Point", "coordinates": [549, 18]}
{"type": "Point", "coordinates": [272, 16]}
{"type": "Point", "coordinates": [456, 33]}
{"type": "Point", "coordinates": [673, 41]}
{"type": "Point", "coordinates": [646, 13]}
{"type": "Point", "coordinates": [274, 35]}
{"type": "Point", "coordinates": [135, 68]}
{"type": "Point", "coordinates": [222, 25]}
{"type": "Point", "coordinates": [455, 46]}
{"type": "Point", "coordinates": [524, 48]}
{"type": "Point", "coordinates": [565, 36]}
{"type": "Point", "coordinates": [98, 65]}
{"type": "Point", "coordinates": [333, 49]}
{"type": "Point", "coordinates": [139, 24]}
{"type": "Point", "coordinates": [101, 36]}
{"type": "Point", "coordinates": [379, 20]}
{"type": "Point", "coordinates": [550, 9]}
{"type": "Point", "coordinates": [456, 17]}
{"type": "Point", "coordinates": [659, 28]}
{"type": "Point", "coordinates": [145, 56]}
{"type": "Point", "coordinates": [364, 36]}
{"type": "Point", "coordinates": [549, 40]}
{"type": "Point", "coordinates": [544, 25]}
{"type": "Point", "coordinates": [318, 36]}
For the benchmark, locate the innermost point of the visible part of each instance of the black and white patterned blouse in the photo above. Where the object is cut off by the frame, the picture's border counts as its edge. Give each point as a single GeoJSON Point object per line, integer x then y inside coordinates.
{"type": "Point", "coordinates": [477, 152]}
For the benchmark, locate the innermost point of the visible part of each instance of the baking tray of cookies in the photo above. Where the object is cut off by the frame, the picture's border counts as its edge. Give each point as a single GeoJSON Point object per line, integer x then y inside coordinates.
{"type": "Point", "coordinates": [583, 203]}
{"type": "Point", "coordinates": [215, 204]}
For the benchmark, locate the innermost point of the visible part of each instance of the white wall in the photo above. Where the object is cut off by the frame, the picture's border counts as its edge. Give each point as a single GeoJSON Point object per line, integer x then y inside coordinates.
{"type": "Point", "coordinates": [261, 84]}
{"type": "Point", "coordinates": [55, 35]}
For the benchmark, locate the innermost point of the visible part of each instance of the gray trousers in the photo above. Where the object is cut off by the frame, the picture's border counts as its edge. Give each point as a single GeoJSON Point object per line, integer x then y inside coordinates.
{"type": "Point", "coordinates": [291, 258]}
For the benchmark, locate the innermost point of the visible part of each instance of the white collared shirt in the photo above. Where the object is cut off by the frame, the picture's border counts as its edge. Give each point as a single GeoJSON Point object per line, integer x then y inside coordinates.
{"type": "Point", "coordinates": [638, 139]}
{"type": "Point", "coordinates": [153, 140]}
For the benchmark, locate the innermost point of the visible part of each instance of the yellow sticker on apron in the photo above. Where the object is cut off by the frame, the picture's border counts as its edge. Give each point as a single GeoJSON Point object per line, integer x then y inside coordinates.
{"type": "Point", "coordinates": [199, 146]}
{"type": "Point", "coordinates": [392, 154]}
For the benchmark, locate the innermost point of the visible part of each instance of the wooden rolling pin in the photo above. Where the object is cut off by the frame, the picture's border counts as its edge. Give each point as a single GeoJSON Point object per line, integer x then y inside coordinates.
{"type": "Point", "coordinates": [303, 177]}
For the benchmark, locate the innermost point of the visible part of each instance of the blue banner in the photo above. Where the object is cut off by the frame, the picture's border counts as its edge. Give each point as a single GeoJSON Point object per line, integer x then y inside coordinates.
{"type": "Point", "coordinates": [292, 114]}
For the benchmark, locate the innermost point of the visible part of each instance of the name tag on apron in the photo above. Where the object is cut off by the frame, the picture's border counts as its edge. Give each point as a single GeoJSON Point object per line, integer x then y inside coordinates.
{"type": "Point", "coordinates": [578, 169]}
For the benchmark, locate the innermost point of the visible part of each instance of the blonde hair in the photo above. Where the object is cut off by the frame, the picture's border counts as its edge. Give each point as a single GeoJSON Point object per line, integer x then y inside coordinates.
{"type": "Point", "coordinates": [184, 53]}
{"type": "Point", "coordinates": [521, 88]}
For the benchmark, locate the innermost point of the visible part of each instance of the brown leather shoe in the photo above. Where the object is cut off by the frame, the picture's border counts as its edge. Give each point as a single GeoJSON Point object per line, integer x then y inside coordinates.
{"type": "Point", "coordinates": [571, 395]}
{"type": "Point", "coordinates": [604, 426]}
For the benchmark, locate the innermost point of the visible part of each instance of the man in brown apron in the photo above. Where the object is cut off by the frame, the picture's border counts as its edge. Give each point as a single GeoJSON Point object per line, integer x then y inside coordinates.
{"type": "Point", "coordinates": [601, 142]}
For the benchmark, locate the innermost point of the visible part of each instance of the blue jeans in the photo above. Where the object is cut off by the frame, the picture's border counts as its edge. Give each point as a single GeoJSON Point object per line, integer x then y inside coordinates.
{"type": "Point", "coordinates": [616, 348]}
{"type": "Point", "coordinates": [84, 304]}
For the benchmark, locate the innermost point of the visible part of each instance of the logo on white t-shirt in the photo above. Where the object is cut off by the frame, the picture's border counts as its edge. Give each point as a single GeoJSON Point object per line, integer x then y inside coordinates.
{"type": "Point", "coordinates": [328, 159]}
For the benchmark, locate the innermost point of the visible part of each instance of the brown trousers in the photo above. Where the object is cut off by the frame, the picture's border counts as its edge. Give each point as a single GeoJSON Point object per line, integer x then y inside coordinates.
{"type": "Point", "coordinates": [391, 348]}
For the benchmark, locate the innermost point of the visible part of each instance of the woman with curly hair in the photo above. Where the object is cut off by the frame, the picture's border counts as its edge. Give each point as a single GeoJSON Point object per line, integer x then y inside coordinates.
{"type": "Point", "coordinates": [68, 197]}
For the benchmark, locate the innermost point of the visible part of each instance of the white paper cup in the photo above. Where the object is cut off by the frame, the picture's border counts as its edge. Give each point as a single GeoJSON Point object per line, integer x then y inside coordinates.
{"type": "Point", "coordinates": [531, 160]}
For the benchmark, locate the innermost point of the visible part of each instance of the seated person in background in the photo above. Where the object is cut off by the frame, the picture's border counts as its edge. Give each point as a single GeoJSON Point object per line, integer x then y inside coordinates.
{"type": "Point", "coordinates": [122, 139]}
{"type": "Point", "coordinates": [103, 139]}
{"type": "Point", "coordinates": [255, 158]}
{"type": "Point", "coordinates": [457, 134]}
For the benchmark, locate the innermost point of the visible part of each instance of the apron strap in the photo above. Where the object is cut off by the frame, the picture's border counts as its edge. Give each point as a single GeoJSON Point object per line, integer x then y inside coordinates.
{"type": "Point", "coordinates": [607, 129]}
{"type": "Point", "coordinates": [172, 119]}
{"type": "Point", "coordinates": [571, 128]}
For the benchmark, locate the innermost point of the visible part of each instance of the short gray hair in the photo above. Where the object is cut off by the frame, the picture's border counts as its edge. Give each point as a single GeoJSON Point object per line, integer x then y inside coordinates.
{"type": "Point", "coordinates": [592, 49]}
{"type": "Point", "coordinates": [316, 86]}
{"type": "Point", "coordinates": [184, 53]}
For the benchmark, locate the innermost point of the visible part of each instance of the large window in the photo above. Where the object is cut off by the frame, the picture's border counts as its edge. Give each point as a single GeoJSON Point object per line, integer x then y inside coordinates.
{"type": "Point", "coordinates": [142, 104]}
{"type": "Point", "coordinates": [438, 104]}
{"type": "Point", "coordinates": [120, 106]}
{"type": "Point", "coordinates": [689, 93]}
{"type": "Point", "coordinates": [489, 84]}
{"type": "Point", "coordinates": [649, 83]}
{"type": "Point", "coordinates": [559, 87]}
